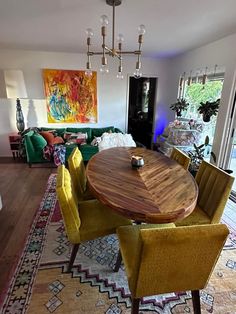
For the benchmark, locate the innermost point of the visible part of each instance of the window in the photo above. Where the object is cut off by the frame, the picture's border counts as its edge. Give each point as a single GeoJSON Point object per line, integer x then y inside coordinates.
{"type": "Point", "coordinates": [195, 93]}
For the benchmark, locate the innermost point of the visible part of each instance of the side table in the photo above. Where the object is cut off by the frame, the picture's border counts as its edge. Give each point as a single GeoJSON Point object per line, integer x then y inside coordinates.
{"type": "Point", "coordinates": [14, 140]}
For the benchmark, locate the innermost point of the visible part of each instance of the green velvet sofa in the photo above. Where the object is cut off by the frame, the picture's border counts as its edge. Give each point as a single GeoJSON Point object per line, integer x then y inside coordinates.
{"type": "Point", "coordinates": [35, 155]}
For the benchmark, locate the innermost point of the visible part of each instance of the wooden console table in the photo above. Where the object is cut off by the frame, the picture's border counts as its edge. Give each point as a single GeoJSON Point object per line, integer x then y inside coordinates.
{"type": "Point", "coordinates": [159, 192]}
{"type": "Point", "coordinates": [14, 140]}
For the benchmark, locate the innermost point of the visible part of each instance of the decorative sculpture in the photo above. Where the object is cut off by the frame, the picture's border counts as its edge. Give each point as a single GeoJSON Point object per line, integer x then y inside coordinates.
{"type": "Point", "coordinates": [19, 117]}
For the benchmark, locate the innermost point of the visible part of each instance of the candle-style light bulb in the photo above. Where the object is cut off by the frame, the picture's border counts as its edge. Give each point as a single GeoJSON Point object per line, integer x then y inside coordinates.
{"type": "Point", "coordinates": [104, 20]}
{"type": "Point", "coordinates": [104, 69]}
{"type": "Point", "coordinates": [120, 38]}
{"type": "Point", "coordinates": [137, 73]}
{"type": "Point", "coordinates": [89, 32]}
{"type": "Point", "coordinates": [89, 72]}
{"type": "Point", "coordinates": [120, 76]}
{"type": "Point", "coordinates": [141, 29]}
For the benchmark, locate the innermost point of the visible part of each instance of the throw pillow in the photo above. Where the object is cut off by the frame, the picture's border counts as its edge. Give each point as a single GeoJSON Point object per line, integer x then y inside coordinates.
{"type": "Point", "coordinates": [67, 136]}
{"type": "Point", "coordinates": [49, 137]}
{"type": "Point", "coordinates": [79, 138]}
{"type": "Point", "coordinates": [58, 140]}
{"type": "Point", "coordinates": [96, 141]}
{"type": "Point", "coordinates": [38, 141]}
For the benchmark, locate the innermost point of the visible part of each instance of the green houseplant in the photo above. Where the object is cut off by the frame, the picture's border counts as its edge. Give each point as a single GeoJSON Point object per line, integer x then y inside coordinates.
{"type": "Point", "coordinates": [209, 109]}
{"type": "Point", "coordinates": [179, 106]}
{"type": "Point", "coordinates": [197, 155]}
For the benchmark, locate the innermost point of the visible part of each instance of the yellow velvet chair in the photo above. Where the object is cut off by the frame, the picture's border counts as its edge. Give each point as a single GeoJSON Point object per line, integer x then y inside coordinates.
{"type": "Point", "coordinates": [214, 189]}
{"type": "Point", "coordinates": [88, 221]}
{"type": "Point", "coordinates": [78, 175]}
{"type": "Point", "coordinates": [180, 157]}
{"type": "Point", "coordinates": [165, 260]}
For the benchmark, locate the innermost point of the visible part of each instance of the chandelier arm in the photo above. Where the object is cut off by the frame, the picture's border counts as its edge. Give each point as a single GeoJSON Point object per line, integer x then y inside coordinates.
{"type": "Point", "coordinates": [113, 26]}
{"type": "Point", "coordinates": [109, 51]}
{"type": "Point", "coordinates": [112, 52]}
{"type": "Point", "coordinates": [135, 52]}
{"type": "Point", "coordinates": [88, 65]}
{"type": "Point", "coordinates": [100, 53]}
{"type": "Point", "coordinates": [103, 41]}
{"type": "Point", "coordinates": [139, 48]}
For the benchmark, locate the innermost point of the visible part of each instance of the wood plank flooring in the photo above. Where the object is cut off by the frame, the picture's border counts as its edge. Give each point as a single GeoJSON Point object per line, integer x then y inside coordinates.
{"type": "Point", "coordinates": [21, 190]}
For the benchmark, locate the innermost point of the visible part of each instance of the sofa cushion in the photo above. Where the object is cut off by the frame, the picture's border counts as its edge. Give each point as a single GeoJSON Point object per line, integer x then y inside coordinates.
{"type": "Point", "coordinates": [49, 137]}
{"type": "Point", "coordinates": [99, 131]}
{"type": "Point", "coordinates": [58, 140]}
{"type": "Point", "coordinates": [78, 138]}
{"type": "Point", "coordinates": [38, 141]}
{"type": "Point", "coordinates": [81, 130]}
{"type": "Point", "coordinates": [88, 151]}
{"type": "Point", "coordinates": [56, 131]}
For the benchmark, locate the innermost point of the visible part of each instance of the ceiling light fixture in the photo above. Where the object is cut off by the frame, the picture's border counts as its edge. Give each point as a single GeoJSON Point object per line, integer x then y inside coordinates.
{"type": "Point", "coordinates": [117, 53]}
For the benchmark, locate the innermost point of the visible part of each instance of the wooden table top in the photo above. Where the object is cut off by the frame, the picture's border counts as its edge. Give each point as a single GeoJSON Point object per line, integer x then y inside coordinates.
{"type": "Point", "coordinates": [159, 192]}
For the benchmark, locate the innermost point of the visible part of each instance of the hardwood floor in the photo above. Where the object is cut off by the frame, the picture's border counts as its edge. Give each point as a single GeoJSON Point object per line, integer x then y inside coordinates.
{"type": "Point", "coordinates": [21, 190]}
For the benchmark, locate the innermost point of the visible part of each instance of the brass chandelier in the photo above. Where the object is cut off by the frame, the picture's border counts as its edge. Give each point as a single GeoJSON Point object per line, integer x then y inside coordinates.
{"type": "Point", "coordinates": [113, 52]}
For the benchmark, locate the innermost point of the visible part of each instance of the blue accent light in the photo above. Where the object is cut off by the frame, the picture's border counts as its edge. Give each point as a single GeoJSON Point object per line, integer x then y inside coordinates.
{"type": "Point", "coordinates": [161, 123]}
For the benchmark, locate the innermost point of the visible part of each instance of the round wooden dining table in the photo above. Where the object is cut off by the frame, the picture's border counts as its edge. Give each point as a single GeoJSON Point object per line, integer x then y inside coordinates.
{"type": "Point", "coordinates": [160, 191]}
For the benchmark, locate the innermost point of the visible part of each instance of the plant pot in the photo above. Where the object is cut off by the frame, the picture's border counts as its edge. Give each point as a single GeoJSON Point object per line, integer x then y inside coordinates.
{"type": "Point", "coordinates": [206, 117]}
{"type": "Point", "coordinates": [229, 171]}
{"type": "Point", "coordinates": [179, 113]}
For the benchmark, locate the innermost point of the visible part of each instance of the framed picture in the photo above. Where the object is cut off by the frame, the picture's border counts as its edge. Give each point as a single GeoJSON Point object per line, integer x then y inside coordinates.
{"type": "Point", "coordinates": [71, 96]}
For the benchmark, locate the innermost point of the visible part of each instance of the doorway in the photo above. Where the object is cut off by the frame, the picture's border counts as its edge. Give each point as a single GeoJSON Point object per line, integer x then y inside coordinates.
{"type": "Point", "coordinates": [141, 108]}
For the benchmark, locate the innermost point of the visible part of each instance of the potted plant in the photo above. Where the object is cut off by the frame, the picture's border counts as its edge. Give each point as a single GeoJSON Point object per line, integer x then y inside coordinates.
{"type": "Point", "coordinates": [180, 105]}
{"type": "Point", "coordinates": [198, 154]}
{"type": "Point", "coordinates": [209, 109]}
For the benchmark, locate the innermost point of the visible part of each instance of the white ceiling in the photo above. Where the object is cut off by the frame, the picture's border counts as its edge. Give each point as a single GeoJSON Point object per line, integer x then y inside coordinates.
{"type": "Point", "coordinates": [173, 26]}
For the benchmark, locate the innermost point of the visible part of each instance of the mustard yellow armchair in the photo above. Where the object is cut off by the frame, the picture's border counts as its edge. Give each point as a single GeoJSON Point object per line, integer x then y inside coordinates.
{"type": "Point", "coordinates": [88, 221]}
{"type": "Point", "coordinates": [180, 157]}
{"type": "Point", "coordinates": [165, 260]}
{"type": "Point", "coordinates": [214, 189]}
{"type": "Point", "coordinates": [78, 175]}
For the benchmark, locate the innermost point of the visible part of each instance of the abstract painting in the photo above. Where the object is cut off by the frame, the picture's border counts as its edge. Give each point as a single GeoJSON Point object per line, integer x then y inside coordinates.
{"type": "Point", "coordinates": [71, 96]}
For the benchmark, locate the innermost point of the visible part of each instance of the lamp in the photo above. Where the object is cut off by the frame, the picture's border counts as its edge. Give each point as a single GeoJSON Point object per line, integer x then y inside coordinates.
{"type": "Point", "coordinates": [15, 88]}
{"type": "Point", "coordinates": [117, 53]}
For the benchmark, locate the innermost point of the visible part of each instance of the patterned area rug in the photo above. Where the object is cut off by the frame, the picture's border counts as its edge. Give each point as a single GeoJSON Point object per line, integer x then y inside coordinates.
{"type": "Point", "coordinates": [40, 284]}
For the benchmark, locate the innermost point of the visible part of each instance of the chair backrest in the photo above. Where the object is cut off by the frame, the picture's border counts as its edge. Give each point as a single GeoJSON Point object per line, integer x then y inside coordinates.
{"type": "Point", "coordinates": [68, 204]}
{"type": "Point", "coordinates": [177, 259]}
{"type": "Point", "coordinates": [77, 172]}
{"type": "Point", "coordinates": [180, 157]}
{"type": "Point", "coordinates": [214, 189]}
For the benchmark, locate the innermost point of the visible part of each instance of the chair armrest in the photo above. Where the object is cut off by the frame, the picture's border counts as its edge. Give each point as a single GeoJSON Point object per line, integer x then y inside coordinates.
{"type": "Point", "coordinates": [29, 148]}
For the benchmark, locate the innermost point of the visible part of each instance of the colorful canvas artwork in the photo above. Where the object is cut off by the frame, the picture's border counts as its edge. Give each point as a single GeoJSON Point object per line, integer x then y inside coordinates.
{"type": "Point", "coordinates": [71, 96]}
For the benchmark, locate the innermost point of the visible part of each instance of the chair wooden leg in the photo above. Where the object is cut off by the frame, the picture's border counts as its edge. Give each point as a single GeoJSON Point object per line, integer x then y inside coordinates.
{"type": "Point", "coordinates": [135, 306]}
{"type": "Point", "coordinates": [118, 262]}
{"type": "Point", "coordinates": [196, 302]}
{"type": "Point", "coordinates": [72, 256]}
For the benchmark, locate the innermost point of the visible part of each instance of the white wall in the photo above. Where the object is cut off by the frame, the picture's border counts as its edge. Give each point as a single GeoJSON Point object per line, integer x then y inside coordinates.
{"type": "Point", "coordinates": [112, 93]}
{"type": "Point", "coordinates": [222, 53]}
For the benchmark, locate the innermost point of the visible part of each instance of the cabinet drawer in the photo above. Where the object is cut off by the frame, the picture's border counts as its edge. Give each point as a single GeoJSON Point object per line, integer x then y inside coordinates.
{"type": "Point", "coordinates": [14, 146]}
